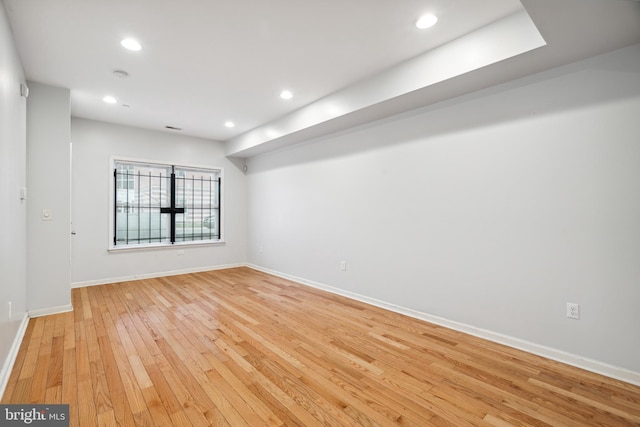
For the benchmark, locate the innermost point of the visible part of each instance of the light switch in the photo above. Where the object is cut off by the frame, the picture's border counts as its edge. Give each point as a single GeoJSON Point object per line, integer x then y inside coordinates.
{"type": "Point", "coordinates": [46, 214]}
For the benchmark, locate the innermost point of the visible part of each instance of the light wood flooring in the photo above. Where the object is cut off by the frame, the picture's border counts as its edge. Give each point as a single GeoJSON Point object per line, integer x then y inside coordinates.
{"type": "Point", "coordinates": [239, 347]}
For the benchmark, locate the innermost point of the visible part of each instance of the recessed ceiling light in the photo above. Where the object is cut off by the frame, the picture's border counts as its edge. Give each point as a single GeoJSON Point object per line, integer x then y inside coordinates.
{"type": "Point", "coordinates": [286, 94]}
{"type": "Point", "coordinates": [131, 44]}
{"type": "Point", "coordinates": [229, 124]}
{"type": "Point", "coordinates": [110, 99]}
{"type": "Point", "coordinates": [426, 21]}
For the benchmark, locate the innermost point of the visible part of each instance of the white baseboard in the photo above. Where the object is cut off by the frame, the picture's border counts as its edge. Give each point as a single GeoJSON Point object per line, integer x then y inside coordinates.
{"type": "Point", "coordinates": [13, 354]}
{"type": "Point", "coordinates": [540, 350]}
{"type": "Point", "coordinates": [109, 280]}
{"type": "Point", "coordinates": [50, 310]}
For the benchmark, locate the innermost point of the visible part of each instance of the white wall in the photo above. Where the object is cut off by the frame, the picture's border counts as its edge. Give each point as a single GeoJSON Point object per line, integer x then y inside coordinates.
{"type": "Point", "coordinates": [94, 143]}
{"type": "Point", "coordinates": [493, 210]}
{"type": "Point", "coordinates": [48, 179]}
{"type": "Point", "coordinates": [13, 170]}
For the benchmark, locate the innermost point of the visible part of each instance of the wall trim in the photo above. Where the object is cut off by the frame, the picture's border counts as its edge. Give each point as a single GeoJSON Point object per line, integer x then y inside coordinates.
{"type": "Point", "coordinates": [154, 275]}
{"type": "Point", "coordinates": [13, 354]}
{"type": "Point", "coordinates": [51, 310]}
{"type": "Point", "coordinates": [591, 365]}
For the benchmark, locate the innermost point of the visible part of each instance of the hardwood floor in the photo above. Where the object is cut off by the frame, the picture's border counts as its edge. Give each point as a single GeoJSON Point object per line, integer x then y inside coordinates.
{"type": "Point", "coordinates": [239, 347]}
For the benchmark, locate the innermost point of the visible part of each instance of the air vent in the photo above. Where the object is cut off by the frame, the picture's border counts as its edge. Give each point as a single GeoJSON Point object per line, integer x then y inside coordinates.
{"type": "Point", "coordinates": [120, 74]}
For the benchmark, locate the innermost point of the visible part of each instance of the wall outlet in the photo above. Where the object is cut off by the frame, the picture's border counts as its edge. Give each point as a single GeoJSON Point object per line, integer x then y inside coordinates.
{"type": "Point", "coordinates": [573, 310]}
{"type": "Point", "coordinates": [10, 307]}
{"type": "Point", "coordinates": [343, 265]}
{"type": "Point", "coordinates": [180, 251]}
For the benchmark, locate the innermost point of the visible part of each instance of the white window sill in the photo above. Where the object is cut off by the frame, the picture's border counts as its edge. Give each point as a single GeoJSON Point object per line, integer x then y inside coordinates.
{"type": "Point", "coordinates": [160, 246]}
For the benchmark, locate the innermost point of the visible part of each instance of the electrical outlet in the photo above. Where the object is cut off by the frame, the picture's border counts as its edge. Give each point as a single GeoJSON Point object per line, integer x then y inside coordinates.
{"type": "Point", "coordinates": [180, 251]}
{"type": "Point", "coordinates": [10, 307]}
{"type": "Point", "coordinates": [343, 265]}
{"type": "Point", "coordinates": [573, 310]}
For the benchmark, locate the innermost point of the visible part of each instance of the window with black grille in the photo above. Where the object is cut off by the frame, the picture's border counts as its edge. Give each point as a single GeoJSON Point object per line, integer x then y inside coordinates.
{"type": "Point", "coordinates": [156, 204]}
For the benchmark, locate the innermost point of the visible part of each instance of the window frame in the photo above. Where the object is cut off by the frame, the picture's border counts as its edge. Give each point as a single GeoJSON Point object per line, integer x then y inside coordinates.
{"type": "Point", "coordinates": [160, 245]}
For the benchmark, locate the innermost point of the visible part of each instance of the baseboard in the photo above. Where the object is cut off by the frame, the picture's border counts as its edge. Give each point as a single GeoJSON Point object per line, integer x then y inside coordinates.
{"type": "Point", "coordinates": [540, 350]}
{"type": "Point", "coordinates": [13, 354]}
{"type": "Point", "coordinates": [153, 275]}
{"type": "Point", "coordinates": [50, 310]}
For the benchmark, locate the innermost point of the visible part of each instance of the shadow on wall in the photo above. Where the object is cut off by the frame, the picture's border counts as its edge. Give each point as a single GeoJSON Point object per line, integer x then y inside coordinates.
{"type": "Point", "coordinates": [589, 82]}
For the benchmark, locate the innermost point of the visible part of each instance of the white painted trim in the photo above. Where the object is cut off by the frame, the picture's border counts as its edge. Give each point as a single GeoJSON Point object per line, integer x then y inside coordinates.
{"type": "Point", "coordinates": [50, 310]}
{"type": "Point", "coordinates": [109, 280]}
{"type": "Point", "coordinates": [13, 354]}
{"type": "Point", "coordinates": [164, 246]}
{"type": "Point", "coordinates": [520, 344]}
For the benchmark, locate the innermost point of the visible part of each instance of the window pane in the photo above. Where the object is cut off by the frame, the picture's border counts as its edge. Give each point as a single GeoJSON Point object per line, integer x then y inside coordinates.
{"type": "Point", "coordinates": [197, 191]}
{"type": "Point", "coordinates": [143, 204]}
{"type": "Point", "coordinates": [141, 190]}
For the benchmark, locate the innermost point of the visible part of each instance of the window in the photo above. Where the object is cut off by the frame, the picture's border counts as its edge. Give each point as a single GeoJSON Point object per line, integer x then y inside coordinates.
{"type": "Point", "coordinates": [157, 204]}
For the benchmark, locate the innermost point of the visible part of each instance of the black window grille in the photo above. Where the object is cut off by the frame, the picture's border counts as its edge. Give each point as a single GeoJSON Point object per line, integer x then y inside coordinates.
{"type": "Point", "coordinates": [165, 204]}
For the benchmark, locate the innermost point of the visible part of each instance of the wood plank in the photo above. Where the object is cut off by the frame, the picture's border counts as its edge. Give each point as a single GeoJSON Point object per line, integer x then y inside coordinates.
{"type": "Point", "coordinates": [85, 405]}
{"type": "Point", "coordinates": [239, 347]}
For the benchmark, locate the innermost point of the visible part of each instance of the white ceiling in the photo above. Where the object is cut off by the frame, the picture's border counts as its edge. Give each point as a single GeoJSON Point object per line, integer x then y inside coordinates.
{"type": "Point", "coordinates": [204, 62]}
{"type": "Point", "coordinates": [207, 61]}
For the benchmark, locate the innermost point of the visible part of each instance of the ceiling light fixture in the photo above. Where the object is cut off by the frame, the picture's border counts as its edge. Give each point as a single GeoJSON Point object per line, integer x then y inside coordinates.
{"type": "Point", "coordinates": [286, 94]}
{"type": "Point", "coordinates": [426, 21]}
{"type": "Point", "coordinates": [229, 124]}
{"type": "Point", "coordinates": [131, 44]}
{"type": "Point", "coordinates": [110, 99]}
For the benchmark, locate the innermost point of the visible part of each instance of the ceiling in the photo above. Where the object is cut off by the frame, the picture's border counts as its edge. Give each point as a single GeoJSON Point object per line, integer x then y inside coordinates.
{"type": "Point", "coordinates": [205, 62]}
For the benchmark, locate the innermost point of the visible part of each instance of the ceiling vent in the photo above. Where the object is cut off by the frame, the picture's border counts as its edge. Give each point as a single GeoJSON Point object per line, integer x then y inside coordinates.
{"type": "Point", "coordinates": [120, 74]}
